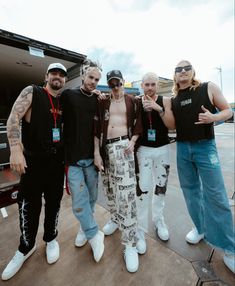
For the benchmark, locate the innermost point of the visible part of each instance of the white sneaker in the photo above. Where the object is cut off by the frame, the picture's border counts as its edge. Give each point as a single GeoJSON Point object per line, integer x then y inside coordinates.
{"type": "Point", "coordinates": [110, 227]}
{"type": "Point", "coordinates": [15, 264]}
{"type": "Point", "coordinates": [141, 242]}
{"type": "Point", "coordinates": [162, 230]}
{"type": "Point", "coordinates": [229, 261]}
{"type": "Point", "coordinates": [52, 251]}
{"type": "Point", "coordinates": [131, 258]}
{"type": "Point", "coordinates": [194, 237]}
{"type": "Point", "coordinates": [80, 238]}
{"type": "Point", "coordinates": [97, 245]}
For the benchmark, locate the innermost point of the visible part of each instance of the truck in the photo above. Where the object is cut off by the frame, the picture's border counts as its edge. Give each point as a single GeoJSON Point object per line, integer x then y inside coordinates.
{"type": "Point", "coordinates": [24, 61]}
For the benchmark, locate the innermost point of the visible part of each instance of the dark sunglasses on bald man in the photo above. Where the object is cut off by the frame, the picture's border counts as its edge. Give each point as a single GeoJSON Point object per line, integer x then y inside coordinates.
{"type": "Point", "coordinates": [113, 85]}
{"type": "Point", "coordinates": [186, 68]}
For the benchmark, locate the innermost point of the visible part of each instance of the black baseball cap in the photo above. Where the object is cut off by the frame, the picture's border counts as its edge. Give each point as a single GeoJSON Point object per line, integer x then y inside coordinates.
{"type": "Point", "coordinates": [114, 74]}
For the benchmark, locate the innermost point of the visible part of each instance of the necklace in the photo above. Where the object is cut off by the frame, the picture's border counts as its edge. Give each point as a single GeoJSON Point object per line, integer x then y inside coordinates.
{"type": "Point", "coordinates": [87, 94]}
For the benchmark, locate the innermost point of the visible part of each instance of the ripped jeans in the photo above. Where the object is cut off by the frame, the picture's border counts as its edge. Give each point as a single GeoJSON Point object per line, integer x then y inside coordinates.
{"type": "Point", "coordinates": [204, 191]}
{"type": "Point", "coordinates": [83, 185]}
{"type": "Point", "coordinates": [154, 167]}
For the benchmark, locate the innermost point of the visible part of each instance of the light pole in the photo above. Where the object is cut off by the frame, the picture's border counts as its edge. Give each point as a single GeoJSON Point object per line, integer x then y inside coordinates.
{"type": "Point", "coordinates": [220, 74]}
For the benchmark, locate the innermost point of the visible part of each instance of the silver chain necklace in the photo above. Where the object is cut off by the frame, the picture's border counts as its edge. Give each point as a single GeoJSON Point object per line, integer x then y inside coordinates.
{"type": "Point", "coordinates": [83, 92]}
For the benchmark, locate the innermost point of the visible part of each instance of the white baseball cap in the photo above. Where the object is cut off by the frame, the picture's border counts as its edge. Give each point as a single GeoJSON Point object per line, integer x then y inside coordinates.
{"type": "Point", "coordinates": [57, 66]}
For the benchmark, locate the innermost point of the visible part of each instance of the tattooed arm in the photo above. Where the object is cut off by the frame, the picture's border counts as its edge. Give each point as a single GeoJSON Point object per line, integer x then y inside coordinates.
{"type": "Point", "coordinates": [21, 108]}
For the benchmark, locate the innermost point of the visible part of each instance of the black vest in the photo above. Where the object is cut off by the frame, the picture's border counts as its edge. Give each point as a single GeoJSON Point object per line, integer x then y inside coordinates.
{"type": "Point", "coordinates": [157, 124]}
{"type": "Point", "coordinates": [37, 135]}
{"type": "Point", "coordinates": [186, 106]}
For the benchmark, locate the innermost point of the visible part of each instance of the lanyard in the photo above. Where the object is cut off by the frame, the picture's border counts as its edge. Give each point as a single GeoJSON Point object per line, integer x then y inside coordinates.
{"type": "Point", "coordinates": [149, 113]}
{"type": "Point", "coordinates": [54, 111]}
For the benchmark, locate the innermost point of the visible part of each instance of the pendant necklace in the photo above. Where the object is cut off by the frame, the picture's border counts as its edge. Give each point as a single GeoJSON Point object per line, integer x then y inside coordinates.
{"type": "Point", "coordinates": [83, 92]}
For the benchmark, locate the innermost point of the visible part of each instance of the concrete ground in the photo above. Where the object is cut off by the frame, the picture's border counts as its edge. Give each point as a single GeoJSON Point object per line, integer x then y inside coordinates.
{"type": "Point", "coordinates": [174, 263]}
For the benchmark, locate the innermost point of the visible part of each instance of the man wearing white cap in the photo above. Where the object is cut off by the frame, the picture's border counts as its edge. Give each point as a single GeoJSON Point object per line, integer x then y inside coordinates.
{"type": "Point", "coordinates": [39, 158]}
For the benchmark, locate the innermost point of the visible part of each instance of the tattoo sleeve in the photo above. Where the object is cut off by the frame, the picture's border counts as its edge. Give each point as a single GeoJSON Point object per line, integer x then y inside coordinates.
{"type": "Point", "coordinates": [19, 109]}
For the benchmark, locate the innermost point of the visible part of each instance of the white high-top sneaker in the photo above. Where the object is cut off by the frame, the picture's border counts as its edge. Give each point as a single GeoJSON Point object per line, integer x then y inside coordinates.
{"type": "Point", "coordinates": [52, 251]}
{"type": "Point", "coordinates": [97, 245]}
{"type": "Point", "coordinates": [80, 238]}
{"type": "Point", "coordinates": [16, 263]}
{"type": "Point", "coordinates": [110, 227]}
{"type": "Point", "coordinates": [162, 230]}
{"type": "Point", "coordinates": [194, 237]}
{"type": "Point", "coordinates": [229, 261]}
{"type": "Point", "coordinates": [141, 242]}
{"type": "Point", "coordinates": [131, 258]}
{"type": "Point", "coordinates": [158, 218]}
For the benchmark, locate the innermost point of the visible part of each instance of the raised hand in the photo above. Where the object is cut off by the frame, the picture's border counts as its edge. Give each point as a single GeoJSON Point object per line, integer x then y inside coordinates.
{"type": "Point", "coordinates": [205, 117]}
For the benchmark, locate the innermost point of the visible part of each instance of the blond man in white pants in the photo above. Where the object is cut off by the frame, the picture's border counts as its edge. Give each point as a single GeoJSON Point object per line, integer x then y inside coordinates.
{"type": "Point", "coordinates": [153, 160]}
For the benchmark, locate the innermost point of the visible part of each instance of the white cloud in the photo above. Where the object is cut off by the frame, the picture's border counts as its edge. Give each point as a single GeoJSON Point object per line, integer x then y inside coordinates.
{"type": "Point", "coordinates": [154, 35]}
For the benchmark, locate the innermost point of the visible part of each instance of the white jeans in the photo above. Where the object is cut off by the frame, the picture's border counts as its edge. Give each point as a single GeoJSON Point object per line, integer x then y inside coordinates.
{"type": "Point", "coordinates": [154, 169]}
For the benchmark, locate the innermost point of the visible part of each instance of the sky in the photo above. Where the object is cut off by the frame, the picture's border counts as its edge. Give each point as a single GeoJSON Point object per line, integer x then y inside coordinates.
{"type": "Point", "coordinates": [135, 36]}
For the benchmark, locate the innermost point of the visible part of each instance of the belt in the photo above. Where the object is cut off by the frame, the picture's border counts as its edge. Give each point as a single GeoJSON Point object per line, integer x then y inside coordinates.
{"type": "Point", "coordinates": [116, 139]}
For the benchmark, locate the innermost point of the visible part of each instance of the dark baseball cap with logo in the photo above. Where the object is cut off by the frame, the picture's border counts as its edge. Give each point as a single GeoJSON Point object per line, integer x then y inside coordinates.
{"type": "Point", "coordinates": [114, 74]}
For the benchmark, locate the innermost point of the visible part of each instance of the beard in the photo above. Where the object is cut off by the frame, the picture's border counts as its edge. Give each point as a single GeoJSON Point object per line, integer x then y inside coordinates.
{"type": "Point", "coordinates": [55, 84]}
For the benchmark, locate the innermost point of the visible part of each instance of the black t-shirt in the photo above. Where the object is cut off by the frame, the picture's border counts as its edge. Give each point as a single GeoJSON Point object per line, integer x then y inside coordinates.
{"type": "Point", "coordinates": [78, 117]}
{"type": "Point", "coordinates": [161, 130]}
{"type": "Point", "coordinates": [186, 106]}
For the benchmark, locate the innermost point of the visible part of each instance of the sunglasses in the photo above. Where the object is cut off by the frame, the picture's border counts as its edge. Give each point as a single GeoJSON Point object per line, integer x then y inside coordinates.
{"type": "Point", "coordinates": [186, 68]}
{"type": "Point", "coordinates": [113, 85]}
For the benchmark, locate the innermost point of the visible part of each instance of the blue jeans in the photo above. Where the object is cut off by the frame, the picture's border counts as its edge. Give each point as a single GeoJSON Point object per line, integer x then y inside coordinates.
{"type": "Point", "coordinates": [204, 191]}
{"type": "Point", "coordinates": [83, 185]}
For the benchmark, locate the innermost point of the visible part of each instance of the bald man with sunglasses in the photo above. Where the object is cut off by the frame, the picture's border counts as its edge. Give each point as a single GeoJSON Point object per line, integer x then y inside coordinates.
{"type": "Point", "coordinates": [154, 160]}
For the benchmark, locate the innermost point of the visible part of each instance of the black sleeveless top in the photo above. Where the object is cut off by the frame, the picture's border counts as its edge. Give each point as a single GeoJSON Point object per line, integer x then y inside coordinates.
{"type": "Point", "coordinates": [37, 135]}
{"type": "Point", "coordinates": [157, 124]}
{"type": "Point", "coordinates": [186, 106]}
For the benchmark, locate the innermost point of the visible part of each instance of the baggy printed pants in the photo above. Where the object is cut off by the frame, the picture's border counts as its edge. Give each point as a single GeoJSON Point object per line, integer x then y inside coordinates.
{"type": "Point", "coordinates": [154, 167]}
{"type": "Point", "coordinates": [119, 184]}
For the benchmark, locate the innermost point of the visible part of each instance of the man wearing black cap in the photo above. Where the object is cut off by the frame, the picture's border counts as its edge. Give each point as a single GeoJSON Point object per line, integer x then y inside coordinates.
{"type": "Point", "coordinates": [38, 158]}
{"type": "Point", "coordinates": [117, 127]}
